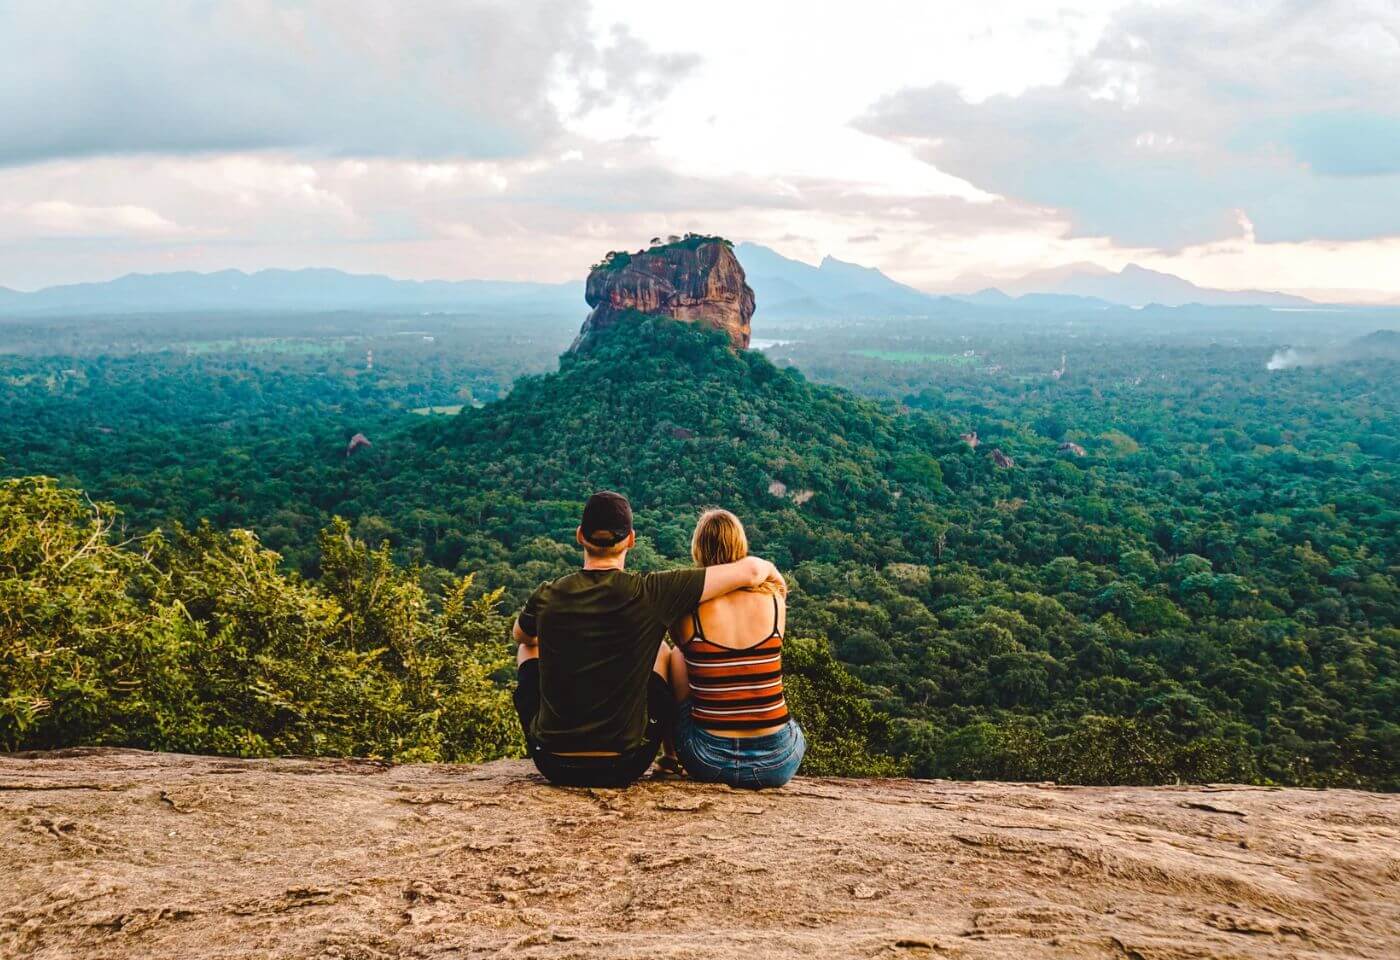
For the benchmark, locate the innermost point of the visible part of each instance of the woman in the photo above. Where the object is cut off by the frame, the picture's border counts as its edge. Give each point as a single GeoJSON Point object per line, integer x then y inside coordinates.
{"type": "Point", "coordinates": [732, 722]}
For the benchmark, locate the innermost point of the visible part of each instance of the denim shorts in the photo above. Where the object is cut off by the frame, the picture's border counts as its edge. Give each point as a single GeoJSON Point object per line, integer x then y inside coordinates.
{"type": "Point", "coordinates": [752, 762]}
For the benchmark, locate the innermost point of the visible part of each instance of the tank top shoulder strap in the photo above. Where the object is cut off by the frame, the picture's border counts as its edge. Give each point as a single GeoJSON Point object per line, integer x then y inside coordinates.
{"type": "Point", "coordinates": [698, 632]}
{"type": "Point", "coordinates": [777, 613]}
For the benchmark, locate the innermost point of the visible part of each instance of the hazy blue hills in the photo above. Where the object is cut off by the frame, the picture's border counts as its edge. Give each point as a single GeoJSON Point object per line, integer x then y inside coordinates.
{"type": "Point", "coordinates": [785, 289]}
{"type": "Point", "coordinates": [1084, 284]}
{"type": "Point", "coordinates": [791, 288]}
{"type": "Point", "coordinates": [313, 289]}
{"type": "Point", "coordinates": [993, 297]}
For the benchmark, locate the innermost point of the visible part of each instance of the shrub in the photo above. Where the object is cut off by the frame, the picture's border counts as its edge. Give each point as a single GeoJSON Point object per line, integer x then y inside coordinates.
{"type": "Point", "coordinates": [82, 660]}
{"type": "Point", "coordinates": [197, 642]}
{"type": "Point", "coordinates": [846, 736]}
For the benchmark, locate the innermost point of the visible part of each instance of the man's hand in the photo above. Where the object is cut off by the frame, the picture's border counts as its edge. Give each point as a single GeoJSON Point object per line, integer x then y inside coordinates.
{"type": "Point", "coordinates": [527, 647]}
{"type": "Point", "coordinates": [749, 572]}
{"type": "Point", "coordinates": [775, 580]}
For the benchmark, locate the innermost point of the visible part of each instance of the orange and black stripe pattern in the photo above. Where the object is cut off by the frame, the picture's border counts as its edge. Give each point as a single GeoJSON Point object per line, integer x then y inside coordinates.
{"type": "Point", "coordinates": [736, 689]}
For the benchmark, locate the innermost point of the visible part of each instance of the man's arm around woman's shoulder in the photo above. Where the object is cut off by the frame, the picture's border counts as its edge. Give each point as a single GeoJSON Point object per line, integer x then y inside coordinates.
{"type": "Point", "coordinates": [739, 575]}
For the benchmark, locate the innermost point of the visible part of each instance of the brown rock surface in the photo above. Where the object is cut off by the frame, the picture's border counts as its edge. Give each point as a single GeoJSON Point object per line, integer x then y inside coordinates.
{"type": "Point", "coordinates": [698, 283]}
{"type": "Point", "coordinates": [132, 854]}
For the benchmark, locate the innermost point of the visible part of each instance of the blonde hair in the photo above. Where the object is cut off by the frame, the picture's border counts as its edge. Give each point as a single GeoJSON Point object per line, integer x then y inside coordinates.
{"type": "Point", "coordinates": [718, 538]}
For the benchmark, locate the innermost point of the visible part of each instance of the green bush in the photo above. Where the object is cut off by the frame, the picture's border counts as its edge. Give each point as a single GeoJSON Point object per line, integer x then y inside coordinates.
{"type": "Point", "coordinates": [197, 642]}
{"type": "Point", "coordinates": [846, 736]}
{"type": "Point", "coordinates": [82, 659]}
{"type": "Point", "coordinates": [617, 259]}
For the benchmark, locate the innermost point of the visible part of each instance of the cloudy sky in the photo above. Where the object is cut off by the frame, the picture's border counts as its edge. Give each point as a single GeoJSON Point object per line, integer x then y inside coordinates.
{"type": "Point", "coordinates": [1248, 144]}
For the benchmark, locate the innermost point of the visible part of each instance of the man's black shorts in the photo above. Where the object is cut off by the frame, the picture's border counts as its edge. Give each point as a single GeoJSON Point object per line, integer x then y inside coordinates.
{"type": "Point", "coordinates": [616, 771]}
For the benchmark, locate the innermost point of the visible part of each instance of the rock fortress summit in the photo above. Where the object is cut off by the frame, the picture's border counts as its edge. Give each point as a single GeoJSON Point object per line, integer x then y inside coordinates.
{"type": "Point", "coordinates": [696, 279]}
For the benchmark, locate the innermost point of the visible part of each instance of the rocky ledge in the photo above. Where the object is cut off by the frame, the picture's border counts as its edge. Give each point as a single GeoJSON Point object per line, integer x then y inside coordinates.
{"type": "Point", "coordinates": [698, 280]}
{"type": "Point", "coordinates": [132, 854]}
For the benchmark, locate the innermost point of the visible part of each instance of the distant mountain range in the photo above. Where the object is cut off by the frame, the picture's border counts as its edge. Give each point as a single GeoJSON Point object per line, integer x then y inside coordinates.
{"type": "Point", "coordinates": [784, 288]}
{"type": "Point", "coordinates": [296, 290]}
{"type": "Point", "coordinates": [1133, 286]}
{"type": "Point", "coordinates": [791, 288]}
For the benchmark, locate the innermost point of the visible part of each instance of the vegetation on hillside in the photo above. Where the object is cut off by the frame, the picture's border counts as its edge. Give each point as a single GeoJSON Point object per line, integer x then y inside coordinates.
{"type": "Point", "coordinates": [196, 642]}
{"type": "Point", "coordinates": [617, 259]}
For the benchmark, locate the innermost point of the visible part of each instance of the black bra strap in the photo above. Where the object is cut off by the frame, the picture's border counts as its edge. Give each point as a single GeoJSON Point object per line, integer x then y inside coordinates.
{"type": "Point", "coordinates": [698, 632]}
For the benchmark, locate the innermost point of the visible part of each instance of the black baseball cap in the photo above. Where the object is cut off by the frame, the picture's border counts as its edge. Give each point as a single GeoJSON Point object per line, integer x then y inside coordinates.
{"type": "Point", "coordinates": [607, 519]}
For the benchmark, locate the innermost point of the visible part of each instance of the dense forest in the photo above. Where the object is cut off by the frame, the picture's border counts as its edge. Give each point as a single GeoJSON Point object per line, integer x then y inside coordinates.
{"type": "Point", "coordinates": [1159, 560]}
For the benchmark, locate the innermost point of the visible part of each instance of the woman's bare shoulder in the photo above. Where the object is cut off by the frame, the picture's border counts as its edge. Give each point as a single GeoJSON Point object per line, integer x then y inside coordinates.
{"type": "Point", "coordinates": [740, 602]}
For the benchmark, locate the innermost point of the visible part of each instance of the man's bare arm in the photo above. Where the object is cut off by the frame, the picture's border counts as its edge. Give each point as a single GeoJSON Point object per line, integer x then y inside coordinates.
{"type": "Point", "coordinates": [522, 637]}
{"type": "Point", "coordinates": [748, 572]}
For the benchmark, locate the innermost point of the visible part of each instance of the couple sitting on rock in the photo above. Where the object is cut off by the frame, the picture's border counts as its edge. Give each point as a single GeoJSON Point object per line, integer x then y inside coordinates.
{"type": "Point", "coordinates": [600, 693]}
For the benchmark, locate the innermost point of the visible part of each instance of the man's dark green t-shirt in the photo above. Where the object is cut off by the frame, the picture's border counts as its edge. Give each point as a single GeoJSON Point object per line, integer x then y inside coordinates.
{"type": "Point", "coordinates": [599, 631]}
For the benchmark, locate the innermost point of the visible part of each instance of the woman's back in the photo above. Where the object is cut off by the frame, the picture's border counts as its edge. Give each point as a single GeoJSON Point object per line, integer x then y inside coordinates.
{"type": "Point", "coordinates": [733, 650]}
{"type": "Point", "coordinates": [741, 619]}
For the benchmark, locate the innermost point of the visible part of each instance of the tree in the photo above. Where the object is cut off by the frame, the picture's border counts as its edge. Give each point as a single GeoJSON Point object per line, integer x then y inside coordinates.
{"type": "Point", "coordinates": [845, 736]}
{"type": "Point", "coordinates": [197, 641]}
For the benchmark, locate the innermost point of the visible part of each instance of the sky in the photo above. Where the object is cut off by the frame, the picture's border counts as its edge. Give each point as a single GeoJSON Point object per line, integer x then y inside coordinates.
{"type": "Point", "coordinates": [1240, 145]}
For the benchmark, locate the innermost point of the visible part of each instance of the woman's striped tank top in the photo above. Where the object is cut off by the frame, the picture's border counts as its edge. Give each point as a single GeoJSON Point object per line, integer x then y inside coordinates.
{"type": "Point", "coordinates": [736, 689]}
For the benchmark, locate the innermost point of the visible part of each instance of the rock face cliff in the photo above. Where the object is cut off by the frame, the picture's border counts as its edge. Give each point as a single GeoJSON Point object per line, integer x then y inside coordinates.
{"type": "Point", "coordinates": [120, 854]}
{"type": "Point", "coordinates": [698, 280]}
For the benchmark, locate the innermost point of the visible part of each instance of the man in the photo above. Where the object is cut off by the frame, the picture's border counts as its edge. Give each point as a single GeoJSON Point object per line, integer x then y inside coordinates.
{"type": "Point", "coordinates": [593, 692]}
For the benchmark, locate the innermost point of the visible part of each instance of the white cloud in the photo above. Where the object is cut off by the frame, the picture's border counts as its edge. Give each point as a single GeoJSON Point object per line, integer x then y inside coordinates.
{"type": "Point", "coordinates": [432, 78]}
{"type": "Point", "coordinates": [59, 218]}
{"type": "Point", "coordinates": [1182, 115]}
